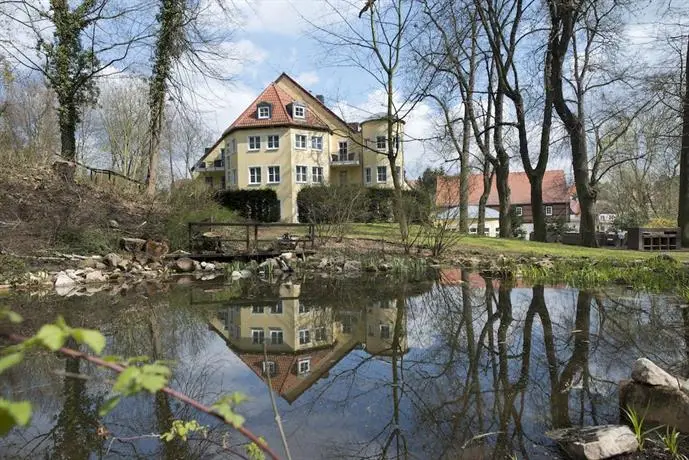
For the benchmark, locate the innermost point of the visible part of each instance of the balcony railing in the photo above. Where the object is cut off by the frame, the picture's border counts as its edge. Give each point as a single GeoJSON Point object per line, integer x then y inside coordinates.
{"type": "Point", "coordinates": [344, 159]}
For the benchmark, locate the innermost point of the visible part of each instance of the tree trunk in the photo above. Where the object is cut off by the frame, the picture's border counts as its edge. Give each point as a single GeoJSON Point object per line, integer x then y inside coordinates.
{"type": "Point", "coordinates": [539, 225]}
{"type": "Point", "coordinates": [683, 214]}
{"type": "Point", "coordinates": [158, 101]}
{"type": "Point", "coordinates": [502, 174]}
{"type": "Point", "coordinates": [68, 127]}
{"type": "Point", "coordinates": [464, 177]}
{"type": "Point", "coordinates": [585, 192]}
{"type": "Point", "coordinates": [487, 183]}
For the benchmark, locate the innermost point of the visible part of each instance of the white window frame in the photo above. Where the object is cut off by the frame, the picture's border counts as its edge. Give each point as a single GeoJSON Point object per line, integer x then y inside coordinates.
{"type": "Point", "coordinates": [270, 181]}
{"type": "Point", "coordinates": [270, 366]}
{"type": "Point", "coordinates": [278, 334]}
{"type": "Point", "coordinates": [305, 177]}
{"type": "Point", "coordinates": [307, 367]}
{"type": "Point", "coordinates": [320, 142]}
{"type": "Point", "coordinates": [378, 170]}
{"type": "Point", "coordinates": [388, 328]}
{"type": "Point", "coordinates": [518, 211]}
{"type": "Point", "coordinates": [233, 173]}
{"type": "Point", "coordinates": [266, 116]}
{"type": "Point", "coordinates": [320, 335]}
{"type": "Point", "coordinates": [260, 174]}
{"type": "Point", "coordinates": [473, 230]}
{"type": "Point", "coordinates": [381, 145]}
{"type": "Point", "coordinates": [317, 178]}
{"type": "Point", "coordinates": [304, 336]}
{"type": "Point", "coordinates": [296, 141]}
{"type": "Point", "coordinates": [249, 140]}
{"type": "Point", "coordinates": [256, 335]}
{"type": "Point", "coordinates": [299, 107]}
{"type": "Point", "coordinates": [262, 310]}
{"type": "Point", "coordinates": [368, 175]}
{"type": "Point", "coordinates": [548, 211]}
{"type": "Point", "coordinates": [278, 309]}
{"type": "Point", "coordinates": [276, 145]}
{"type": "Point", "coordinates": [346, 151]}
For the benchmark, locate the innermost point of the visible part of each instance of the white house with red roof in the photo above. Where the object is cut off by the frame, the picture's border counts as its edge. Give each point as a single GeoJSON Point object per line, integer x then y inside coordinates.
{"type": "Point", "coordinates": [288, 138]}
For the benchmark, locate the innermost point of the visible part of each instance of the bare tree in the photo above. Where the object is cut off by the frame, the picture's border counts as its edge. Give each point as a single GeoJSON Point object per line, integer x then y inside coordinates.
{"type": "Point", "coordinates": [585, 32]}
{"type": "Point", "coordinates": [73, 44]}
{"type": "Point", "coordinates": [376, 42]}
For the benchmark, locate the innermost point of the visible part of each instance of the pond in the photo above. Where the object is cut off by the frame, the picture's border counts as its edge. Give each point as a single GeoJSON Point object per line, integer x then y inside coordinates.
{"type": "Point", "coordinates": [360, 368]}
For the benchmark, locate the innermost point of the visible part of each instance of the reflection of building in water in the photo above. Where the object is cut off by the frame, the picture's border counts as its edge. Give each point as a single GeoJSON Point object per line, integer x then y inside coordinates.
{"type": "Point", "coordinates": [304, 341]}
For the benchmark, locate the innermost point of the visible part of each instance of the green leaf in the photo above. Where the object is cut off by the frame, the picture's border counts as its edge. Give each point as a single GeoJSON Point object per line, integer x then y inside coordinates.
{"type": "Point", "coordinates": [108, 406]}
{"type": "Point", "coordinates": [93, 339]}
{"type": "Point", "coordinates": [12, 414]}
{"type": "Point", "coordinates": [51, 336]}
{"type": "Point", "coordinates": [154, 377]}
{"type": "Point", "coordinates": [11, 316]}
{"type": "Point", "coordinates": [126, 382]}
{"type": "Point", "coordinates": [10, 360]}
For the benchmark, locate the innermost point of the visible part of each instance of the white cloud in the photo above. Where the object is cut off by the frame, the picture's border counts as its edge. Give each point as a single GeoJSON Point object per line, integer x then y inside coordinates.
{"type": "Point", "coordinates": [307, 78]}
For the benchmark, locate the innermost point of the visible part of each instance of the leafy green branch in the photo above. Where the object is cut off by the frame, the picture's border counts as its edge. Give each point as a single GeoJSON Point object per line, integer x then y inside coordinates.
{"type": "Point", "coordinates": [134, 376]}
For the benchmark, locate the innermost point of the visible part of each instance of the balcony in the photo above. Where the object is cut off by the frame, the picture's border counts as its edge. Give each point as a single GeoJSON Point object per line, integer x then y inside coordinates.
{"type": "Point", "coordinates": [210, 166]}
{"type": "Point", "coordinates": [344, 159]}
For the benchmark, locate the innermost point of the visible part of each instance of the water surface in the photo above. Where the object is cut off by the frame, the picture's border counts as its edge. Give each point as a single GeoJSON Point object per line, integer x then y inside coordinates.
{"type": "Point", "coordinates": [361, 368]}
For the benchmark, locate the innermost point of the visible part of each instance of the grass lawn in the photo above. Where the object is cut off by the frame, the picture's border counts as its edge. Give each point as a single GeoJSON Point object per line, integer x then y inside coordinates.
{"type": "Point", "coordinates": [390, 232]}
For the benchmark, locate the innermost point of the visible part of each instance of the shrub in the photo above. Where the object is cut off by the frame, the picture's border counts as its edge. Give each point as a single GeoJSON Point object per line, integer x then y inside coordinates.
{"type": "Point", "coordinates": [191, 202]}
{"type": "Point", "coordinates": [332, 208]}
{"type": "Point", "coordinates": [260, 205]}
{"type": "Point", "coordinates": [374, 204]}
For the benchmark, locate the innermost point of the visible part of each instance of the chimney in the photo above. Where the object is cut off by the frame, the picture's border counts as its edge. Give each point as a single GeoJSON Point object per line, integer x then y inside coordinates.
{"type": "Point", "coordinates": [320, 98]}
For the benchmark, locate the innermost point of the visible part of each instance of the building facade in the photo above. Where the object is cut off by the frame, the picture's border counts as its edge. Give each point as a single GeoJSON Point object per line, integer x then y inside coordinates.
{"type": "Point", "coordinates": [556, 197]}
{"type": "Point", "coordinates": [288, 139]}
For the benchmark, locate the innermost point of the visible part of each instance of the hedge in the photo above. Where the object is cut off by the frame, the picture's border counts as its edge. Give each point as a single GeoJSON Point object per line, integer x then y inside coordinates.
{"type": "Point", "coordinates": [261, 205]}
{"type": "Point", "coordinates": [376, 204]}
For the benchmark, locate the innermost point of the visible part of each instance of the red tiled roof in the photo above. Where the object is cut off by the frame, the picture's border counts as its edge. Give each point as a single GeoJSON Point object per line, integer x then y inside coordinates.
{"type": "Point", "coordinates": [555, 189]}
{"type": "Point", "coordinates": [280, 113]}
{"type": "Point", "coordinates": [286, 377]}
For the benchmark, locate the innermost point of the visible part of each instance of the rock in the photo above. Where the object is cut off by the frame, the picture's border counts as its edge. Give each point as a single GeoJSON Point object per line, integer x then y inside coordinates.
{"type": "Point", "coordinates": [209, 267]}
{"type": "Point", "coordinates": [112, 260]}
{"type": "Point", "coordinates": [283, 266]}
{"type": "Point", "coordinates": [245, 274]}
{"type": "Point", "coordinates": [352, 266]}
{"type": "Point", "coordinates": [88, 263]}
{"type": "Point", "coordinates": [646, 372]}
{"type": "Point", "coordinates": [123, 264]}
{"type": "Point", "coordinates": [155, 266]}
{"type": "Point", "coordinates": [324, 263]}
{"type": "Point", "coordinates": [96, 277]}
{"type": "Point", "coordinates": [660, 405]}
{"type": "Point", "coordinates": [597, 442]}
{"type": "Point", "coordinates": [184, 265]}
{"type": "Point", "coordinates": [113, 223]}
{"type": "Point", "coordinates": [132, 244]}
{"type": "Point", "coordinates": [384, 267]}
{"type": "Point", "coordinates": [156, 250]}
{"type": "Point", "coordinates": [287, 255]}
{"type": "Point", "coordinates": [235, 275]}
{"type": "Point", "coordinates": [371, 268]}
{"type": "Point", "coordinates": [63, 280]}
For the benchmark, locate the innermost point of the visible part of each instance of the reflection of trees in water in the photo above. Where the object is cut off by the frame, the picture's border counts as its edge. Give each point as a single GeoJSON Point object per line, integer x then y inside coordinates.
{"type": "Point", "coordinates": [158, 325]}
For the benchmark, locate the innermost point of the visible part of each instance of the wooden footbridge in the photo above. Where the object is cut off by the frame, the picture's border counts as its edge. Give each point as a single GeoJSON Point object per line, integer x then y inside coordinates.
{"type": "Point", "coordinates": [223, 241]}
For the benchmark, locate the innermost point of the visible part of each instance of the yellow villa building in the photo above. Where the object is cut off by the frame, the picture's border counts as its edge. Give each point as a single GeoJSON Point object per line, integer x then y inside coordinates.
{"type": "Point", "coordinates": [288, 138]}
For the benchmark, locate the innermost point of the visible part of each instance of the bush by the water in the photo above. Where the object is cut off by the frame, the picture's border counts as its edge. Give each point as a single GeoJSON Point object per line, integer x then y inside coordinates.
{"type": "Point", "coordinates": [323, 203]}
{"type": "Point", "coordinates": [260, 205]}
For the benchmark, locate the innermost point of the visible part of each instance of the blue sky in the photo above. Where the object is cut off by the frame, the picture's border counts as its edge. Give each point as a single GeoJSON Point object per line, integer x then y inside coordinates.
{"type": "Point", "coordinates": [276, 37]}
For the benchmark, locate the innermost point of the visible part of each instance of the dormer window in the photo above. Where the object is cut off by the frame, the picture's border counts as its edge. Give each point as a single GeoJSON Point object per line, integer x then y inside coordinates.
{"type": "Point", "coordinates": [264, 111]}
{"type": "Point", "coordinates": [299, 111]}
